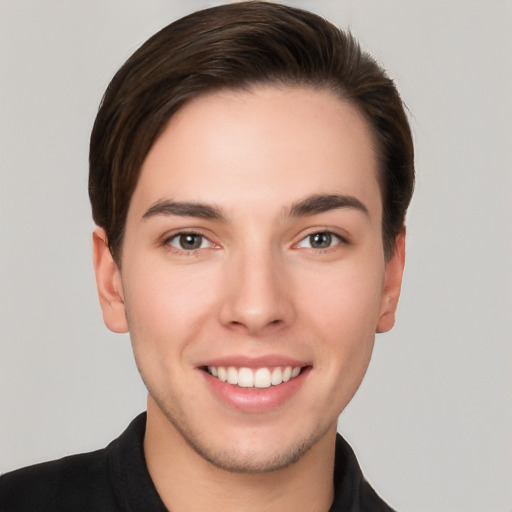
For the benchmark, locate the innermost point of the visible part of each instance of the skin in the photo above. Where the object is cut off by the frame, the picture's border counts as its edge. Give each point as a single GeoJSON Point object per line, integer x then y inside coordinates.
{"type": "Point", "coordinates": [258, 285]}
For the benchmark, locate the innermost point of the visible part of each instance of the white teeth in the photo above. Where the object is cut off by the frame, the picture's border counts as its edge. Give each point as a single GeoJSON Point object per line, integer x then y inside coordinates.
{"type": "Point", "coordinates": [259, 378]}
{"type": "Point", "coordinates": [245, 378]}
{"type": "Point", "coordinates": [232, 375]}
{"type": "Point", "coordinates": [222, 373]}
{"type": "Point", "coordinates": [262, 378]}
{"type": "Point", "coordinates": [277, 376]}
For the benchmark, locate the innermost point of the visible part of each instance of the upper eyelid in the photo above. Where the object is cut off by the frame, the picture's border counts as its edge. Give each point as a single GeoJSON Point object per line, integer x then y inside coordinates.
{"type": "Point", "coordinates": [179, 235]}
{"type": "Point", "coordinates": [165, 242]}
{"type": "Point", "coordinates": [340, 234]}
{"type": "Point", "coordinates": [343, 235]}
{"type": "Point", "coordinates": [169, 235]}
{"type": "Point", "coordinates": [340, 238]}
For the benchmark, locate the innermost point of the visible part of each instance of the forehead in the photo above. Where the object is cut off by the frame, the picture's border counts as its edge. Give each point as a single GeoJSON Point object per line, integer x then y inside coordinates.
{"type": "Point", "coordinates": [268, 146]}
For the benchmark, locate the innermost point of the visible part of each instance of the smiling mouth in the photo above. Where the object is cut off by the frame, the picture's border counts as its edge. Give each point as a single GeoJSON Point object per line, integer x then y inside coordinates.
{"type": "Point", "coordinates": [258, 378]}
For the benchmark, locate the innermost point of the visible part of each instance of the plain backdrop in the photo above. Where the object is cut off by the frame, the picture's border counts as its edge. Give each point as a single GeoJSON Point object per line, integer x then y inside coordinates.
{"type": "Point", "coordinates": [432, 422]}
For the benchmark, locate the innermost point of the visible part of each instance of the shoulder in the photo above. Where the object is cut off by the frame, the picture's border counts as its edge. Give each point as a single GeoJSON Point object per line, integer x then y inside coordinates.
{"type": "Point", "coordinates": [352, 491]}
{"type": "Point", "coordinates": [79, 482]}
{"type": "Point", "coordinates": [98, 481]}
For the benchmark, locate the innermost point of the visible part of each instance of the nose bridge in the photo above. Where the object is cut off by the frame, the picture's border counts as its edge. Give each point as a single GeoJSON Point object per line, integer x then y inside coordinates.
{"type": "Point", "coordinates": [256, 296]}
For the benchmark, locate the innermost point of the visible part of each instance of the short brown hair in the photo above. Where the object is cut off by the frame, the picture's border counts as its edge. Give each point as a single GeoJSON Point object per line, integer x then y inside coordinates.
{"type": "Point", "coordinates": [236, 46]}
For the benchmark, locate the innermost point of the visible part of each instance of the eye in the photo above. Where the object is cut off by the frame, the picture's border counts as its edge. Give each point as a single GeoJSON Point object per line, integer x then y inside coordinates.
{"type": "Point", "coordinates": [320, 240]}
{"type": "Point", "coordinates": [189, 242]}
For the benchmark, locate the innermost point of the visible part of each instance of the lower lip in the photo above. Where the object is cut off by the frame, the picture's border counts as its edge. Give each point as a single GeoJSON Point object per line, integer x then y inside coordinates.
{"type": "Point", "coordinates": [255, 399]}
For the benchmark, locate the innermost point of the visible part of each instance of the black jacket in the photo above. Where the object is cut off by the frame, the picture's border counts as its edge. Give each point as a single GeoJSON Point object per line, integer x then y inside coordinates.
{"type": "Point", "coordinates": [116, 479]}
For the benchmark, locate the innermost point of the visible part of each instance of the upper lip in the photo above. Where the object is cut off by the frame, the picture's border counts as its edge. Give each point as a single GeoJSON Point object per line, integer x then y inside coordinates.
{"type": "Point", "coordinates": [267, 361]}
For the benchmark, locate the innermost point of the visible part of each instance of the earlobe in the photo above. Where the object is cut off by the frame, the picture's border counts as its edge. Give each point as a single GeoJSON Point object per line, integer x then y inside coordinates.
{"type": "Point", "coordinates": [392, 285]}
{"type": "Point", "coordinates": [109, 284]}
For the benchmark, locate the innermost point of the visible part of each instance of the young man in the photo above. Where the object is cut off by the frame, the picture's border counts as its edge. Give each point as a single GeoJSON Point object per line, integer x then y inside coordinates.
{"type": "Point", "coordinates": [250, 170]}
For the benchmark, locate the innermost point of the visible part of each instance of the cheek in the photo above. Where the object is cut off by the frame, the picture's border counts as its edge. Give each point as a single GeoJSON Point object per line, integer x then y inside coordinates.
{"type": "Point", "coordinates": [165, 306]}
{"type": "Point", "coordinates": [342, 318]}
{"type": "Point", "coordinates": [346, 301]}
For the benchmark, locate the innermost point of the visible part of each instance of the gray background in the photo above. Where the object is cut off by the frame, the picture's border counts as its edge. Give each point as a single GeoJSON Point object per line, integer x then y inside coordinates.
{"type": "Point", "coordinates": [432, 423]}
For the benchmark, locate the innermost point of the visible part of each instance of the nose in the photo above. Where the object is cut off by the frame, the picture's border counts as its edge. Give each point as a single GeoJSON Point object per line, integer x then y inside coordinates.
{"type": "Point", "coordinates": [257, 297]}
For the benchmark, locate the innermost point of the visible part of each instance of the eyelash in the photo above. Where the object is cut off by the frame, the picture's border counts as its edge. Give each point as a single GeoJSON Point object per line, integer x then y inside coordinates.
{"type": "Point", "coordinates": [182, 234]}
{"type": "Point", "coordinates": [333, 239]}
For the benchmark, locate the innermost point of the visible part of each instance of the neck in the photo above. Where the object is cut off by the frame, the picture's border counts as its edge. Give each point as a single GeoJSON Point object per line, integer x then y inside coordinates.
{"type": "Point", "coordinates": [186, 481]}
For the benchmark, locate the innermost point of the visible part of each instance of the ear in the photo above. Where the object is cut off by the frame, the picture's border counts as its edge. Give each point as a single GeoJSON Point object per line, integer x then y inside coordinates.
{"type": "Point", "coordinates": [392, 285]}
{"type": "Point", "coordinates": [108, 281]}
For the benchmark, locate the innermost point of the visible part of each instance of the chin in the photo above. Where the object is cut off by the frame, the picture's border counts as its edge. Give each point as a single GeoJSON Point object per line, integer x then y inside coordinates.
{"type": "Point", "coordinates": [246, 450]}
{"type": "Point", "coordinates": [244, 457]}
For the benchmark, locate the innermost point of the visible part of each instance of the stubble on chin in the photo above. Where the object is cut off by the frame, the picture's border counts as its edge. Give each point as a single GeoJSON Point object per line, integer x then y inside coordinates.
{"type": "Point", "coordinates": [239, 459]}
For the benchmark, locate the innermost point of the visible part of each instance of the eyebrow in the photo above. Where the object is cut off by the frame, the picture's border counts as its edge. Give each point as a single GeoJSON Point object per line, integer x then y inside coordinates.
{"type": "Point", "coordinates": [184, 209]}
{"type": "Point", "coordinates": [311, 205]}
{"type": "Point", "coordinates": [320, 203]}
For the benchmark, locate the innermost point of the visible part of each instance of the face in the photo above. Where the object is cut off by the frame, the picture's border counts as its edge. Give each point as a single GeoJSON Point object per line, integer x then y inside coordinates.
{"type": "Point", "coordinates": [253, 277]}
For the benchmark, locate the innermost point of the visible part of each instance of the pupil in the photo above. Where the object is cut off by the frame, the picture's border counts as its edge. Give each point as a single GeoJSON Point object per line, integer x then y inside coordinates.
{"type": "Point", "coordinates": [190, 241]}
{"type": "Point", "coordinates": [320, 240]}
